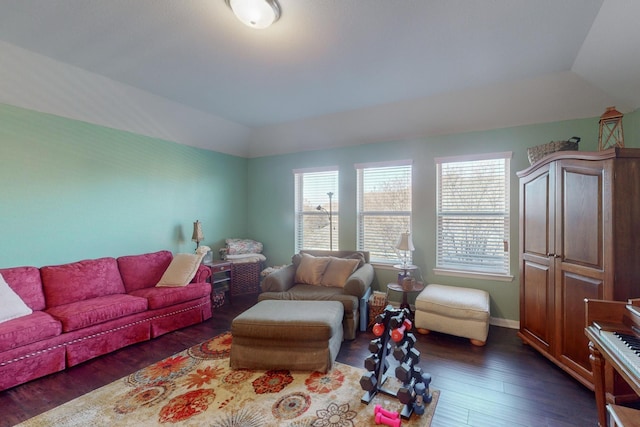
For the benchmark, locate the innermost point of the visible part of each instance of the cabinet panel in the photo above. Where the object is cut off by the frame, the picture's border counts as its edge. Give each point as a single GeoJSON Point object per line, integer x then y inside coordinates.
{"type": "Point", "coordinates": [536, 216]}
{"type": "Point", "coordinates": [581, 210]}
{"type": "Point", "coordinates": [574, 288]}
{"type": "Point", "coordinates": [537, 315]}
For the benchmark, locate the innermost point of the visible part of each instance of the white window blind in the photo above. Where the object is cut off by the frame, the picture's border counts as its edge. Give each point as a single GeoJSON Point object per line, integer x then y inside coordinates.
{"type": "Point", "coordinates": [384, 207]}
{"type": "Point", "coordinates": [473, 214]}
{"type": "Point", "coordinates": [316, 228]}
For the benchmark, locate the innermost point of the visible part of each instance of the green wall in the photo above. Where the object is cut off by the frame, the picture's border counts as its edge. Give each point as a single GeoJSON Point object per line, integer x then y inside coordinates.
{"type": "Point", "coordinates": [72, 190]}
{"type": "Point", "coordinates": [271, 201]}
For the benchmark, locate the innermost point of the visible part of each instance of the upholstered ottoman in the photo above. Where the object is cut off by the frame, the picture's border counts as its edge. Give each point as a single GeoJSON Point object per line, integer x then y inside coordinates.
{"type": "Point", "coordinates": [293, 335]}
{"type": "Point", "coordinates": [453, 310]}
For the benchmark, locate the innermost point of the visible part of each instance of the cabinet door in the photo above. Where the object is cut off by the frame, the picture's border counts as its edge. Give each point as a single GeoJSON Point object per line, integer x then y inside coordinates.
{"type": "Point", "coordinates": [536, 258]}
{"type": "Point", "coordinates": [579, 256]}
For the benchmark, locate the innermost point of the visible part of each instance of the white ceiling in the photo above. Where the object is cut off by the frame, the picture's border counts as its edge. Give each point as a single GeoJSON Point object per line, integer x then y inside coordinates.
{"type": "Point", "coordinates": [328, 73]}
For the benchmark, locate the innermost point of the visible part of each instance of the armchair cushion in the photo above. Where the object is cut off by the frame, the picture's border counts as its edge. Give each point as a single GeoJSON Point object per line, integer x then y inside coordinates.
{"type": "Point", "coordinates": [338, 271]}
{"type": "Point", "coordinates": [311, 269]}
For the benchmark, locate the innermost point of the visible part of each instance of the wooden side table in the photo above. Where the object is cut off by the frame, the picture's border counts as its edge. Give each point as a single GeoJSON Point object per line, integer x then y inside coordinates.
{"type": "Point", "coordinates": [221, 275]}
{"type": "Point", "coordinates": [417, 287]}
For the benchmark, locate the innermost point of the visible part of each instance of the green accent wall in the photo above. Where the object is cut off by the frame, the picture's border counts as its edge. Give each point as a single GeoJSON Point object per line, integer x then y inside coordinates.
{"type": "Point", "coordinates": [71, 190]}
{"type": "Point", "coordinates": [271, 193]}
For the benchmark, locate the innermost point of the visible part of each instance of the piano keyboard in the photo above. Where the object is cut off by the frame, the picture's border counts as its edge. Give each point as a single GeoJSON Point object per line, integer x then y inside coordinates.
{"type": "Point", "coordinates": [631, 341]}
{"type": "Point", "coordinates": [626, 347]}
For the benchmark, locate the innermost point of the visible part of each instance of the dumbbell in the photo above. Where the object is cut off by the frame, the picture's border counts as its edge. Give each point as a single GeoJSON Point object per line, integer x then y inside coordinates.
{"type": "Point", "coordinates": [398, 333]}
{"type": "Point", "coordinates": [407, 393]}
{"type": "Point", "coordinates": [393, 422]}
{"type": "Point", "coordinates": [372, 363]}
{"type": "Point", "coordinates": [418, 405]}
{"type": "Point", "coordinates": [378, 329]}
{"type": "Point", "coordinates": [375, 345]}
{"type": "Point", "coordinates": [369, 382]}
{"type": "Point", "coordinates": [404, 371]}
{"type": "Point", "coordinates": [396, 320]}
{"type": "Point", "coordinates": [380, 410]}
{"type": "Point", "coordinates": [380, 318]}
{"type": "Point", "coordinates": [401, 350]}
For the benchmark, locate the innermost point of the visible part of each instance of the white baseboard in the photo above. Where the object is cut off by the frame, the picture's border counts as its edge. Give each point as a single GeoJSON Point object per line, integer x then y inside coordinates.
{"type": "Point", "coordinates": [505, 323]}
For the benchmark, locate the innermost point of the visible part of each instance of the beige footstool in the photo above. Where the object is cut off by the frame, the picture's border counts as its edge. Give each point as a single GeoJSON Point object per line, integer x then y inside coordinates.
{"type": "Point", "coordinates": [293, 335]}
{"type": "Point", "coordinates": [453, 310]}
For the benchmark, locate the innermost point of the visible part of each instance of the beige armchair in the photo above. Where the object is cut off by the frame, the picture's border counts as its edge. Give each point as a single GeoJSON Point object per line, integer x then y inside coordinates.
{"type": "Point", "coordinates": [315, 275]}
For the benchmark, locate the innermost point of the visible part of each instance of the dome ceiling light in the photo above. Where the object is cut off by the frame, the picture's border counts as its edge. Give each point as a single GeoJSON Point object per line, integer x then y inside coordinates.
{"type": "Point", "coordinates": [257, 14]}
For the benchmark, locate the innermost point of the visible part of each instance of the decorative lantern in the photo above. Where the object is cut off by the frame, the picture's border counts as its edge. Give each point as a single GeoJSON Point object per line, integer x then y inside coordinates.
{"type": "Point", "coordinates": [610, 134]}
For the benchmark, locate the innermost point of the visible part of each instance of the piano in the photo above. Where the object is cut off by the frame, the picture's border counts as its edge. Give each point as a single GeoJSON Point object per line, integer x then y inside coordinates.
{"type": "Point", "coordinates": [613, 330]}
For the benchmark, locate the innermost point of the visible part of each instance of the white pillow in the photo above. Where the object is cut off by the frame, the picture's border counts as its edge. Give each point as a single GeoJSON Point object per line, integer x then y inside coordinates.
{"type": "Point", "coordinates": [182, 269]}
{"type": "Point", "coordinates": [11, 306]}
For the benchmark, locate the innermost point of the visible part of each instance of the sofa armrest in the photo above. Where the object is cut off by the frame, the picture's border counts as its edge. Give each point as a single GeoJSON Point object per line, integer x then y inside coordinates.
{"type": "Point", "coordinates": [280, 280]}
{"type": "Point", "coordinates": [202, 274]}
{"type": "Point", "coordinates": [359, 281]}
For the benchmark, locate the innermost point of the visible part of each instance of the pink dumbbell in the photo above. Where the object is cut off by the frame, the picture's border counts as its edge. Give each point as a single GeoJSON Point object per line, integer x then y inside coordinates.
{"type": "Point", "coordinates": [392, 422]}
{"type": "Point", "coordinates": [380, 410]}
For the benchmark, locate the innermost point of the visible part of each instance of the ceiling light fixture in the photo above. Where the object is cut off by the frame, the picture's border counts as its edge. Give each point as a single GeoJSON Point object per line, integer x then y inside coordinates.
{"type": "Point", "coordinates": [257, 14]}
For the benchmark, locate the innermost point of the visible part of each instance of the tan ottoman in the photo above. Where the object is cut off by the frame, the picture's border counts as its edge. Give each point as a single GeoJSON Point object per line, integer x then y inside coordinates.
{"type": "Point", "coordinates": [453, 310]}
{"type": "Point", "coordinates": [293, 335]}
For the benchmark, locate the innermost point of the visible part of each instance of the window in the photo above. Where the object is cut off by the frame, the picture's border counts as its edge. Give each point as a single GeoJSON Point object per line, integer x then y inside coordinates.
{"type": "Point", "coordinates": [384, 207]}
{"type": "Point", "coordinates": [317, 218]}
{"type": "Point", "coordinates": [473, 214]}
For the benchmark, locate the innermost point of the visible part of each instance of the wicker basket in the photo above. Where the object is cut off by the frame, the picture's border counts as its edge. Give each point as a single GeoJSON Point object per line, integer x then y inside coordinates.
{"type": "Point", "coordinates": [245, 278]}
{"type": "Point", "coordinates": [539, 151]}
{"type": "Point", "coordinates": [377, 304]}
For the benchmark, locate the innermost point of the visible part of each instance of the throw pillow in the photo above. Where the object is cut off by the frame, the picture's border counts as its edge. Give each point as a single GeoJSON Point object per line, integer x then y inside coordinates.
{"type": "Point", "coordinates": [311, 269]}
{"type": "Point", "coordinates": [338, 271]}
{"type": "Point", "coordinates": [12, 305]}
{"type": "Point", "coordinates": [359, 256]}
{"type": "Point", "coordinates": [183, 268]}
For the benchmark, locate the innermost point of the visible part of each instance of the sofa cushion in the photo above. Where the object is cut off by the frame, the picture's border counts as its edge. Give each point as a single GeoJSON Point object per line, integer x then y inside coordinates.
{"type": "Point", "coordinates": [25, 281]}
{"type": "Point", "coordinates": [311, 269]}
{"type": "Point", "coordinates": [143, 271]}
{"type": "Point", "coordinates": [338, 271]}
{"type": "Point", "coordinates": [181, 270]}
{"type": "Point", "coordinates": [28, 329]}
{"type": "Point", "coordinates": [82, 280]}
{"type": "Point", "coordinates": [12, 305]}
{"type": "Point", "coordinates": [84, 313]}
{"type": "Point", "coordinates": [159, 297]}
{"type": "Point", "coordinates": [302, 292]}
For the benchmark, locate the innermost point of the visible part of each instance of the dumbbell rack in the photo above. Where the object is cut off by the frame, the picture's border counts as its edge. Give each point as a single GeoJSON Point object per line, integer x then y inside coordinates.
{"type": "Point", "coordinates": [373, 381]}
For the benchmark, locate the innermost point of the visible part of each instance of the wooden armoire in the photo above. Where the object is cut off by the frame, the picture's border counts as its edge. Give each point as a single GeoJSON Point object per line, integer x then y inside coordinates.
{"type": "Point", "coordinates": [579, 238]}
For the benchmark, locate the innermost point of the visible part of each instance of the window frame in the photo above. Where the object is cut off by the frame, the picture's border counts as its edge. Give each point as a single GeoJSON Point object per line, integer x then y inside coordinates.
{"type": "Point", "coordinates": [361, 214]}
{"type": "Point", "coordinates": [460, 270]}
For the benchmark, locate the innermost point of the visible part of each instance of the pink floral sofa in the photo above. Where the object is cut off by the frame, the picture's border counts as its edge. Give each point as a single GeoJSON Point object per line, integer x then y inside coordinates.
{"type": "Point", "coordinates": [89, 308]}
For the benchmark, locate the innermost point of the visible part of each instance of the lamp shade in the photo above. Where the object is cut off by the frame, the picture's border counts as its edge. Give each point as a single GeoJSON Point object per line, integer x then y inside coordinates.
{"type": "Point", "coordinates": [405, 243]}
{"type": "Point", "coordinates": [255, 13]}
{"type": "Point", "coordinates": [197, 232]}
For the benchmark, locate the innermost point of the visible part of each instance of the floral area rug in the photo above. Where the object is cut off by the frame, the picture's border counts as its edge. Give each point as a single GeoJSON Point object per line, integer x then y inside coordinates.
{"type": "Point", "coordinates": [196, 387]}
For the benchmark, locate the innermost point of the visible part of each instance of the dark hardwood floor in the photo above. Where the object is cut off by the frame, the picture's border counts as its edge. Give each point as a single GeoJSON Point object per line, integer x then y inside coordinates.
{"type": "Point", "coordinates": [504, 383]}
